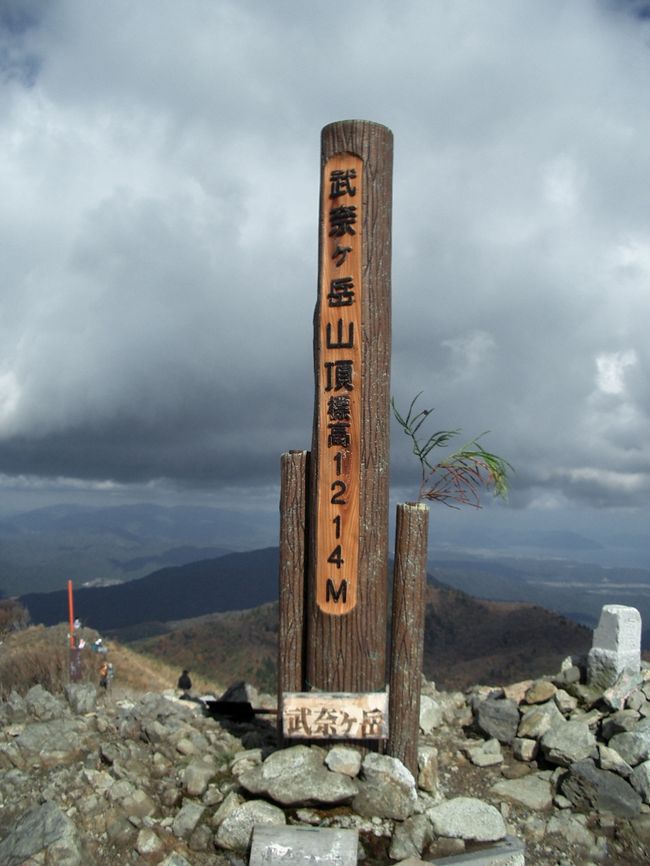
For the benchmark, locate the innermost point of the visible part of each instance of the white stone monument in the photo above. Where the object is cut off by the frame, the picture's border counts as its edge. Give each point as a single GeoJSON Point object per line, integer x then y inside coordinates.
{"type": "Point", "coordinates": [616, 646]}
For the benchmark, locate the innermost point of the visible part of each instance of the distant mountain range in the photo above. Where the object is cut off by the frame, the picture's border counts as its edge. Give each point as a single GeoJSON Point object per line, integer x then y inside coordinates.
{"type": "Point", "coordinates": [231, 582]}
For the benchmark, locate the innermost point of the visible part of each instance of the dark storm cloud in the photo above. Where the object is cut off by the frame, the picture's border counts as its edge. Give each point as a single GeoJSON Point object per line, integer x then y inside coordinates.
{"type": "Point", "coordinates": [160, 183]}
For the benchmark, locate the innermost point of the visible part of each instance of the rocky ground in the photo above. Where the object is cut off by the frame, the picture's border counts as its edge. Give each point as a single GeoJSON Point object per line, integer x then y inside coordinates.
{"type": "Point", "coordinates": [150, 779]}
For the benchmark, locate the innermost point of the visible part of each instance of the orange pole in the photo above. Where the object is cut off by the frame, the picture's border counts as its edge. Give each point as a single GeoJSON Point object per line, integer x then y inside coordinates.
{"type": "Point", "coordinates": [71, 614]}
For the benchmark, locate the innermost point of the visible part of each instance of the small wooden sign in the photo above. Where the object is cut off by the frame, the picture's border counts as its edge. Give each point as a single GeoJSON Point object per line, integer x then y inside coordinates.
{"type": "Point", "coordinates": [335, 715]}
{"type": "Point", "coordinates": [340, 378]}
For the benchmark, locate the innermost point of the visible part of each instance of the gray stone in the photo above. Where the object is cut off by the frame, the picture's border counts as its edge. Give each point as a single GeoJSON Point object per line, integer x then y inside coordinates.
{"type": "Point", "coordinates": [609, 759]}
{"type": "Point", "coordinates": [304, 846]}
{"type": "Point", "coordinates": [42, 829]}
{"type": "Point", "coordinates": [410, 838]}
{"type": "Point", "coordinates": [236, 829]}
{"type": "Point", "coordinates": [467, 818]}
{"type": "Point", "coordinates": [633, 746]}
{"type": "Point", "coordinates": [498, 718]}
{"type": "Point", "coordinates": [187, 818]}
{"type": "Point", "coordinates": [231, 802]}
{"type": "Point", "coordinates": [82, 697]}
{"type": "Point", "coordinates": [42, 705]}
{"type": "Point", "coordinates": [197, 775]}
{"type": "Point", "coordinates": [148, 842]}
{"type": "Point", "coordinates": [567, 743]}
{"type": "Point", "coordinates": [617, 694]}
{"type": "Point", "coordinates": [640, 779]}
{"type": "Point", "coordinates": [175, 859]}
{"type": "Point", "coordinates": [430, 714]}
{"type": "Point", "coordinates": [618, 723]}
{"type": "Point", "coordinates": [297, 776]}
{"type": "Point", "coordinates": [524, 749]}
{"type": "Point", "coordinates": [343, 759]}
{"type": "Point", "coordinates": [56, 742]}
{"type": "Point", "coordinates": [565, 702]}
{"type": "Point", "coordinates": [540, 692]}
{"type": "Point", "coordinates": [571, 829]}
{"type": "Point", "coordinates": [589, 788]}
{"type": "Point", "coordinates": [616, 645]}
{"type": "Point", "coordinates": [537, 720]}
{"type": "Point", "coordinates": [386, 789]}
{"type": "Point", "coordinates": [532, 791]}
{"type": "Point", "coordinates": [428, 778]}
{"type": "Point", "coordinates": [486, 753]}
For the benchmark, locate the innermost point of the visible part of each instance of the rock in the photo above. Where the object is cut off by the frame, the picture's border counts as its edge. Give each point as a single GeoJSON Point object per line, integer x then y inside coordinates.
{"type": "Point", "coordinates": [343, 759]}
{"type": "Point", "coordinates": [386, 789]}
{"type": "Point", "coordinates": [533, 791]}
{"type": "Point", "coordinates": [44, 829]}
{"type": "Point", "coordinates": [498, 718]}
{"type": "Point", "coordinates": [56, 742]}
{"type": "Point", "coordinates": [410, 838]}
{"type": "Point", "coordinates": [42, 705]}
{"type": "Point", "coordinates": [517, 691]}
{"type": "Point", "coordinates": [187, 818]}
{"type": "Point", "coordinates": [430, 714]}
{"type": "Point", "coordinates": [571, 829]}
{"type": "Point", "coordinates": [428, 769]}
{"type": "Point", "coordinates": [148, 842]}
{"type": "Point", "coordinates": [82, 697]}
{"type": "Point", "coordinates": [235, 830]}
{"type": "Point", "coordinates": [616, 645]}
{"type": "Point", "coordinates": [568, 743]}
{"type": "Point", "coordinates": [609, 759]}
{"type": "Point", "coordinates": [524, 749]}
{"type": "Point", "coordinates": [467, 818]}
{"type": "Point", "coordinates": [617, 694]}
{"type": "Point", "coordinates": [590, 788]}
{"type": "Point", "coordinates": [633, 746]}
{"type": "Point", "coordinates": [537, 720]}
{"type": "Point", "coordinates": [231, 802]}
{"type": "Point", "coordinates": [640, 779]}
{"type": "Point", "coordinates": [618, 723]}
{"type": "Point", "coordinates": [540, 692]}
{"type": "Point", "coordinates": [485, 753]}
{"type": "Point", "coordinates": [197, 775]}
{"type": "Point", "coordinates": [565, 702]}
{"type": "Point", "coordinates": [297, 776]}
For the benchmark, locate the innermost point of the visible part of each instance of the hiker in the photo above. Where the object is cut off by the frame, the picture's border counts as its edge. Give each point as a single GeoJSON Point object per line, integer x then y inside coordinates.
{"type": "Point", "coordinates": [185, 684]}
{"type": "Point", "coordinates": [103, 675]}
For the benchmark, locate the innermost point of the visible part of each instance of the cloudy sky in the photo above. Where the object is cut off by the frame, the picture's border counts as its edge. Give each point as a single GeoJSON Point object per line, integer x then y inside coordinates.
{"type": "Point", "coordinates": [159, 167]}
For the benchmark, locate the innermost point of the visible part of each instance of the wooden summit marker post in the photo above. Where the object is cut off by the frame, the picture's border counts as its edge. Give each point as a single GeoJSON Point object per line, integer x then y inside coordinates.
{"type": "Point", "coordinates": [334, 501]}
{"type": "Point", "coordinates": [348, 544]}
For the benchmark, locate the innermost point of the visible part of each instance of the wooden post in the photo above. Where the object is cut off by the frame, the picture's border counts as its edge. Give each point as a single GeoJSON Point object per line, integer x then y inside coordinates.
{"type": "Point", "coordinates": [294, 484]}
{"type": "Point", "coordinates": [407, 632]}
{"type": "Point", "coordinates": [348, 537]}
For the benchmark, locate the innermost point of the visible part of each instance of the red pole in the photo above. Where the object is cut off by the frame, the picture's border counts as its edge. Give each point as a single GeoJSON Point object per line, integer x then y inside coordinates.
{"type": "Point", "coordinates": [71, 614]}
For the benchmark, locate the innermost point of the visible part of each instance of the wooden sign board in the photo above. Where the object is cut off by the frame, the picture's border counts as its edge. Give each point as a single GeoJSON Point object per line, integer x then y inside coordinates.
{"type": "Point", "coordinates": [335, 715]}
{"type": "Point", "coordinates": [339, 390]}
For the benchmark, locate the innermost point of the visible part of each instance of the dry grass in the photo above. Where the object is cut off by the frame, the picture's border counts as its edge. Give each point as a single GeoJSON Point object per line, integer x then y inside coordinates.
{"type": "Point", "coordinates": [40, 655]}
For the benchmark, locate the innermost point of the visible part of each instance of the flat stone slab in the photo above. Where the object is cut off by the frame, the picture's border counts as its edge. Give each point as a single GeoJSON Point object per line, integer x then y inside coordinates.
{"type": "Point", "coordinates": [303, 846]}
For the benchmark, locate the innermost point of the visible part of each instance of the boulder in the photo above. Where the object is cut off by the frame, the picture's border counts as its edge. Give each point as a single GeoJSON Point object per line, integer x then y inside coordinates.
{"type": "Point", "coordinates": [568, 743]}
{"type": "Point", "coordinates": [540, 692]}
{"type": "Point", "coordinates": [42, 830]}
{"type": "Point", "coordinates": [640, 779]}
{"type": "Point", "coordinates": [537, 720]}
{"type": "Point", "coordinates": [297, 776]}
{"type": "Point", "coordinates": [236, 829]}
{"type": "Point", "coordinates": [467, 818]}
{"type": "Point", "coordinates": [588, 788]}
{"type": "Point", "coordinates": [386, 789]}
{"type": "Point", "coordinates": [533, 791]}
{"type": "Point", "coordinates": [343, 759]}
{"type": "Point", "coordinates": [430, 714]}
{"type": "Point", "coordinates": [633, 746]}
{"type": "Point", "coordinates": [498, 718]}
{"type": "Point", "coordinates": [82, 697]}
{"type": "Point", "coordinates": [42, 705]}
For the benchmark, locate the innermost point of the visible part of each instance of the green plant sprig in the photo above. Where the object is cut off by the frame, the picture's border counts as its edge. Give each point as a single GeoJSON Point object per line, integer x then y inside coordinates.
{"type": "Point", "coordinates": [458, 479]}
